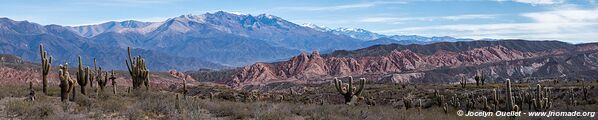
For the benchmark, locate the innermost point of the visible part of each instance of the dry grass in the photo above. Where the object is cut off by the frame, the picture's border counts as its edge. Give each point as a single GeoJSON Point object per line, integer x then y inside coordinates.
{"type": "Point", "coordinates": [316, 102]}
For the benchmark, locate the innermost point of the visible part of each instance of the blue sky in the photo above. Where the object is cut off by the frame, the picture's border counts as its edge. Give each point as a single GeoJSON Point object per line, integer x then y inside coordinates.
{"type": "Point", "coordinates": [572, 21]}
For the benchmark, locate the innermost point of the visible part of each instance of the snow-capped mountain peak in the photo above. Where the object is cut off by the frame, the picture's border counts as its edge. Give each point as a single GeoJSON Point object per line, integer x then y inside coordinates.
{"type": "Point", "coordinates": [190, 18]}
{"type": "Point", "coordinates": [115, 26]}
{"type": "Point", "coordinates": [356, 33]}
{"type": "Point", "coordinates": [316, 27]}
{"type": "Point", "coordinates": [366, 35]}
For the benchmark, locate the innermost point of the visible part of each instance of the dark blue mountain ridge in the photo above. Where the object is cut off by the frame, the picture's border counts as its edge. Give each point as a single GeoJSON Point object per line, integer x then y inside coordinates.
{"type": "Point", "coordinates": [187, 42]}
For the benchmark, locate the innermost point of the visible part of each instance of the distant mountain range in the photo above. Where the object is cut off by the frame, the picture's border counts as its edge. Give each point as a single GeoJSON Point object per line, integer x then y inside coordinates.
{"type": "Point", "coordinates": [187, 42]}
{"type": "Point", "coordinates": [366, 35]}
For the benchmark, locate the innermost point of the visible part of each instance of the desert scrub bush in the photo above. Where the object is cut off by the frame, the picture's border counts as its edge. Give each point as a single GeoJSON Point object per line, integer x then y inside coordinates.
{"type": "Point", "coordinates": [17, 107]}
{"type": "Point", "coordinates": [134, 114]}
{"type": "Point", "coordinates": [155, 103]}
{"type": "Point", "coordinates": [12, 91]}
{"type": "Point", "coordinates": [271, 111]}
{"type": "Point", "coordinates": [84, 103]}
{"type": "Point", "coordinates": [109, 103]}
{"type": "Point", "coordinates": [284, 110]}
{"type": "Point", "coordinates": [28, 109]}
{"type": "Point", "coordinates": [235, 110]}
{"type": "Point", "coordinates": [42, 110]}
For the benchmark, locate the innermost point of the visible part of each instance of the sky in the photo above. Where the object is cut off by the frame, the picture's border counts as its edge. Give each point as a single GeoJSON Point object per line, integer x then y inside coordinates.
{"type": "Point", "coordinates": [573, 21]}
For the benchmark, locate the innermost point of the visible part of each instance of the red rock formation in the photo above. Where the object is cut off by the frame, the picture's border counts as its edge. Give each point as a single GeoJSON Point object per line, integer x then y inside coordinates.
{"type": "Point", "coordinates": [180, 75]}
{"type": "Point", "coordinates": [304, 67]}
{"type": "Point", "coordinates": [258, 72]}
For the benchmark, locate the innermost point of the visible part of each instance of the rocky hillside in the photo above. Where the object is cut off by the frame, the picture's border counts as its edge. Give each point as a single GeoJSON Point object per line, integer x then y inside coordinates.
{"type": "Point", "coordinates": [440, 62]}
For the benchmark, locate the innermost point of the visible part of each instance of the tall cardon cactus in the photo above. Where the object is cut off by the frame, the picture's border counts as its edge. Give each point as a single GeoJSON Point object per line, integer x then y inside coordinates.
{"type": "Point", "coordinates": [46, 66]}
{"type": "Point", "coordinates": [138, 71]}
{"type": "Point", "coordinates": [66, 83]}
{"type": "Point", "coordinates": [82, 76]}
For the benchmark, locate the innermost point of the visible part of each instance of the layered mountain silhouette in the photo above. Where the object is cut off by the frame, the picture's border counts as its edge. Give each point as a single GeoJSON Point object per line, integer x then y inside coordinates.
{"type": "Point", "coordinates": [187, 42]}
{"type": "Point", "coordinates": [438, 62]}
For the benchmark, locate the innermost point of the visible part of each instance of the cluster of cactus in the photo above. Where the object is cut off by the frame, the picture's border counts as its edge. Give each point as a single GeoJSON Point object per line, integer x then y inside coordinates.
{"type": "Point", "coordinates": [455, 101]}
{"type": "Point", "coordinates": [46, 66]}
{"type": "Point", "coordinates": [83, 75]}
{"type": "Point", "coordinates": [542, 100]}
{"type": "Point", "coordinates": [486, 105]}
{"type": "Point", "coordinates": [441, 101]}
{"type": "Point", "coordinates": [479, 77]}
{"type": "Point", "coordinates": [102, 82]}
{"type": "Point", "coordinates": [572, 98]}
{"type": "Point", "coordinates": [469, 102]}
{"type": "Point", "coordinates": [527, 99]}
{"type": "Point", "coordinates": [463, 82]}
{"type": "Point", "coordinates": [495, 99]}
{"type": "Point", "coordinates": [66, 83]}
{"type": "Point", "coordinates": [348, 91]}
{"type": "Point", "coordinates": [138, 71]}
{"type": "Point", "coordinates": [439, 98]}
{"type": "Point", "coordinates": [96, 75]}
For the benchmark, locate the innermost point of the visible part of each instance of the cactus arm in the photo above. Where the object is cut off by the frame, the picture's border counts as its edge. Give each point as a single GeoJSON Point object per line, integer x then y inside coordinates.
{"type": "Point", "coordinates": [130, 60]}
{"type": "Point", "coordinates": [128, 67]}
{"type": "Point", "coordinates": [338, 84]}
{"type": "Point", "coordinates": [509, 96]}
{"type": "Point", "coordinates": [361, 85]}
{"type": "Point", "coordinates": [41, 50]}
{"type": "Point", "coordinates": [79, 70]}
{"type": "Point", "coordinates": [350, 87]}
{"type": "Point", "coordinates": [50, 64]}
{"type": "Point", "coordinates": [146, 82]}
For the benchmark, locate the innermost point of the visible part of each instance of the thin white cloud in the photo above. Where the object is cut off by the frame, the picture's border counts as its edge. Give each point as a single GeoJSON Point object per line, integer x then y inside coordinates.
{"type": "Point", "coordinates": [402, 19]}
{"type": "Point", "coordinates": [342, 7]}
{"type": "Point", "coordinates": [474, 16]}
{"type": "Point", "coordinates": [574, 25]}
{"type": "Point", "coordinates": [540, 2]}
{"type": "Point", "coordinates": [536, 2]}
{"type": "Point", "coordinates": [564, 16]}
{"type": "Point", "coordinates": [382, 19]}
